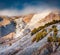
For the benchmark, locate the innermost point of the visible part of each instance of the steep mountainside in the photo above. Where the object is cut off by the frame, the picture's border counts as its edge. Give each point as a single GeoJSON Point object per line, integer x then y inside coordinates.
{"type": "Point", "coordinates": [18, 40]}
{"type": "Point", "coordinates": [50, 17]}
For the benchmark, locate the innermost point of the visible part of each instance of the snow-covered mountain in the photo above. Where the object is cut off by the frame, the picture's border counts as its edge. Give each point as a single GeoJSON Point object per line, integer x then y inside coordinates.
{"type": "Point", "coordinates": [51, 16]}
{"type": "Point", "coordinates": [21, 41]}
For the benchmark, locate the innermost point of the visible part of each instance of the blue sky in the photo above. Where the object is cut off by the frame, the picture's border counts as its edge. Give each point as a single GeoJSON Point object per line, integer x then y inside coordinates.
{"type": "Point", "coordinates": [19, 5]}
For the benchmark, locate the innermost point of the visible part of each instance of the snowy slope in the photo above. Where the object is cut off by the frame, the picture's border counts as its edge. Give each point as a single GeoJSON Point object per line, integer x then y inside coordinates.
{"type": "Point", "coordinates": [25, 45]}
{"type": "Point", "coordinates": [32, 48]}
{"type": "Point", "coordinates": [37, 17]}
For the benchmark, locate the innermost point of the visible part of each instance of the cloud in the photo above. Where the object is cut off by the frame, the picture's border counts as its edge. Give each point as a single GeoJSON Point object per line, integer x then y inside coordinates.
{"type": "Point", "coordinates": [27, 10]}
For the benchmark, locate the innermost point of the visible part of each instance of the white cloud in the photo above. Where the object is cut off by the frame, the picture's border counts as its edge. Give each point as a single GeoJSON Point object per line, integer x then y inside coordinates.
{"type": "Point", "coordinates": [27, 10]}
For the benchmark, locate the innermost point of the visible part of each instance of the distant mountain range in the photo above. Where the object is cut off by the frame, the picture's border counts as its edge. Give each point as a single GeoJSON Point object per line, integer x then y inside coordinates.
{"type": "Point", "coordinates": [32, 20]}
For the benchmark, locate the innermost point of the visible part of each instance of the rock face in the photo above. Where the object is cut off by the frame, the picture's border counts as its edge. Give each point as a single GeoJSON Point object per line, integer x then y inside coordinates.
{"type": "Point", "coordinates": [7, 37]}
{"type": "Point", "coordinates": [28, 18]}
{"type": "Point", "coordinates": [50, 17]}
{"type": "Point", "coordinates": [8, 30]}
{"type": "Point", "coordinates": [8, 27]}
{"type": "Point", "coordinates": [33, 20]}
{"type": "Point", "coordinates": [4, 21]}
